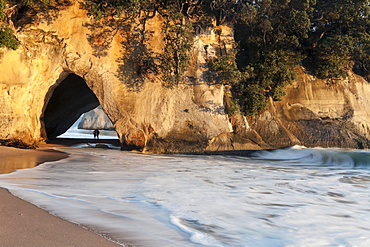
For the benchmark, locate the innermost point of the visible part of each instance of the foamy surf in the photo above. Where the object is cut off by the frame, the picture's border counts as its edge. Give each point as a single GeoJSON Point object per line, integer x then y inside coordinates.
{"type": "Point", "coordinates": [319, 156]}
{"type": "Point", "coordinates": [290, 197]}
{"type": "Point", "coordinates": [195, 236]}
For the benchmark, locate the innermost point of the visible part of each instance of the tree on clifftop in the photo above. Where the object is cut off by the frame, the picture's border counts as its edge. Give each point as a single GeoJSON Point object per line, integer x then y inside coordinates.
{"type": "Point", "coordinates": [338, 38]}
{"type": "Point", "coordinates": [271, 45]}
{"type": "Point", "coordinates": [328, 37]}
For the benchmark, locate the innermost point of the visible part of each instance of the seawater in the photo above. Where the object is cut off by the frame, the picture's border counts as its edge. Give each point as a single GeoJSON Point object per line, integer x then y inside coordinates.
{"type": "Point", "coordinates": [75, 132]}
{"type": "Point", "coordinates": [290, 197]}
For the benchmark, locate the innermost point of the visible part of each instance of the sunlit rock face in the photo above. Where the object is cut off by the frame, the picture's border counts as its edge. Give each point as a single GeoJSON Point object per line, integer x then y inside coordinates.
{"type": "Point", "coordinates": [67, 65]}
{"type": "Point", "coordinates": [60, 46]}
{"type": "Point", "coordinates": [318, 113]}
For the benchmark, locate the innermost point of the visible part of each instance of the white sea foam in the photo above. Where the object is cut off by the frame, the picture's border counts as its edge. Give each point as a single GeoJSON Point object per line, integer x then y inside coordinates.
{"type": "Point", "coordinates": [74, 132]}
{"type": "Point", "coordinates": [318, 156]}
{"type": "Point", "coordinates": [195, 236]}
{"type": "Point", "coordinates": [185, 200]}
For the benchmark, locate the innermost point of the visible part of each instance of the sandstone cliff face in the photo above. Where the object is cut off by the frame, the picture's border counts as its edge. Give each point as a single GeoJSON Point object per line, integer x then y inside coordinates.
{"type": "Point", "coordinates": [63, 44]}
{"type": "Point", "coordinates": [63, 48]}
{"type": "Point", "coordinates": [318, 113]}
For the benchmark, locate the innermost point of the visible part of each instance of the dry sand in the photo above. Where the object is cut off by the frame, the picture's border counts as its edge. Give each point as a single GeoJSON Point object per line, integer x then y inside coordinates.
{"type": "Point", "coordinates": [24, 224]}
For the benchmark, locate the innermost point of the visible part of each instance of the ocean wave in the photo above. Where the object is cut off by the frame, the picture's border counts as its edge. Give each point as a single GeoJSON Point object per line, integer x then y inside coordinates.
{"type": "Point", "coordinates": [198, 200]}
{"type": "Point", "coordinates": [348, 158]}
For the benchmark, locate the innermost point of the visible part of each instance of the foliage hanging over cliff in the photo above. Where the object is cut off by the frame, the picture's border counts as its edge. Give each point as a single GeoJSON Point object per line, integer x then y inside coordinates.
{"type": "Point", "coordinates": [2, 7]}
{"type": "Point", "coordinates": [271, 45]}
{"type": "Point", "coordinates": [338, 38]}
{"type": "Point", "coordinates": [175, 57]}
{"type": "Point", "coordinates": [7, 38]}
{"type": "Point", "coordinates": [328, 37]}
{"type": "Point", "coordinates": [177, 34]}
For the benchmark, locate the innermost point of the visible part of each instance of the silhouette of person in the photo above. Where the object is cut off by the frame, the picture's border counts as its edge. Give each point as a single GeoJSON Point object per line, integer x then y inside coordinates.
{"type": "Point", "coordinates": [96, 134]}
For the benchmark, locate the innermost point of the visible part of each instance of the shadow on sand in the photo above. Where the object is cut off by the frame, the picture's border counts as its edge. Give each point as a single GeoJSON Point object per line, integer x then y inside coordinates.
{"type": "Point", "coordinates": [73, 142]}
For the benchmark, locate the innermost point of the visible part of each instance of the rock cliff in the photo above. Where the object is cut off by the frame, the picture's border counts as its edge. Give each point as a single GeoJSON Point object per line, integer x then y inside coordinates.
{"type": "Point", "coordinates": [95, 119]}
{"type": "Point", "coordinates": [66, 65]}
{"type": "Point", "coordinates": [324, 113]}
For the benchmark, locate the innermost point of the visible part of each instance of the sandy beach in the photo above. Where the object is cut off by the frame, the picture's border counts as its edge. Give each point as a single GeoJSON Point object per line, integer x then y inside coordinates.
{"type": "Point", "coordinates": [24, 224]}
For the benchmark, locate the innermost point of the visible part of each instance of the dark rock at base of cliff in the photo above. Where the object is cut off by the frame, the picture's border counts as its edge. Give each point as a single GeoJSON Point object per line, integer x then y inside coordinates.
{"type": "Point", "coordinates": [16, 143]}
{"type": "Point", "coordinates": [172, 145]}
{"type": "Point", "coordinates": [330, 133]}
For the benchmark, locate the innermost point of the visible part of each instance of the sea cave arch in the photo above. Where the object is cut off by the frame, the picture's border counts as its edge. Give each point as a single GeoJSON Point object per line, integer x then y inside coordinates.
{"type": "Point", "coordinates": [65, 103]}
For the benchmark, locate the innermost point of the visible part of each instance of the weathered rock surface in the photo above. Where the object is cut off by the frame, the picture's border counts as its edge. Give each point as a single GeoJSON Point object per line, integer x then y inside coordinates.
{"type": "Point", "coordinates": [63, 45]}
{"type": "Point", "coordinates": [318, 113]}
{"type": "Point", "coordinates": [95, 119]}
{"type": "Point", "coordinates": [42, 91]}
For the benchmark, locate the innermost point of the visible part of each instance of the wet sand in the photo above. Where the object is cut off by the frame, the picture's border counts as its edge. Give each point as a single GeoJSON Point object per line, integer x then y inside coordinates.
{"type": "Point", "coordinates": [24, 224]}
{"type": "Point", "coordinates": [62, 142]}
{"type": "Point", "coordinates": [12, 159]}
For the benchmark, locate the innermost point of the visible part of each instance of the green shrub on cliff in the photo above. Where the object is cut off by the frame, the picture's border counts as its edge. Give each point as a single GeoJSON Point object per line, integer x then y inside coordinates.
{"type": "Point", "coordinates": [2, 7]}
{"type": "Point", "coordinates": [328, 37]}
{"type": "Point", "coordinates": [226, 69]}
{"type": "Point", "coordinates": [177, 32]}
{"type": "Point", "coordinates": [114, 8]}
{"type": "Point", "coordinates": [175, 58]}
{"type": "Point", "coordinates": [338, 38]}
{"type": "Point", "coordinates": [7, 39]}
{"type": "Point", "coordinates": [270, 47]}
{"type": "Point", "coordinates": [32, 3]}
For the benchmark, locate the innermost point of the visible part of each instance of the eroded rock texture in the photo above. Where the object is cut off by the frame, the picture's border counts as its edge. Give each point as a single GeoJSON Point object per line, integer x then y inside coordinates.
{"type": "Point", "coordinates": [61, 49]}
{"type": "Point", "coordinates": [319, 113]}
{"type": "Point", "coordinates": [67, 64]}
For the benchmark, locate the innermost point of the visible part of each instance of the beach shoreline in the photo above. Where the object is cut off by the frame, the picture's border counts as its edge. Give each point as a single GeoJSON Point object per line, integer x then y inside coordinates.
{"type": "Point", "coordinates": [24, 224]}
{"type": "Point", "coordinates": [36, 226]}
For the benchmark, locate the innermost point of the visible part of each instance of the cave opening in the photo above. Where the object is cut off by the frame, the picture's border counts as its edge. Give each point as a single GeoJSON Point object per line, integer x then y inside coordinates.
{"type": "Point", "coordinates": [65, 104]}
